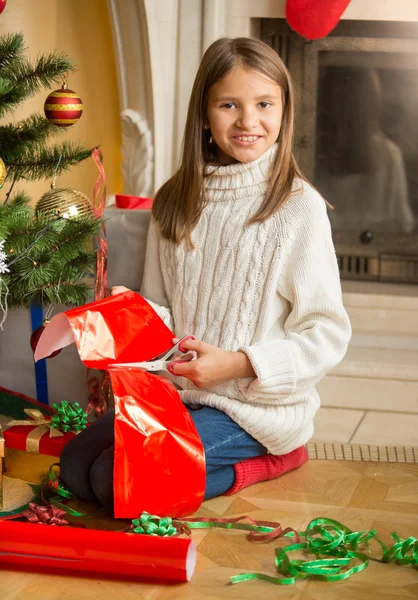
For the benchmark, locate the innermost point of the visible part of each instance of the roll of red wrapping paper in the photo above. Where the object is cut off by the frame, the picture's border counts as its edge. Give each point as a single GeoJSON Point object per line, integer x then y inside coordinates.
{"type": "Point", "coordinates": [129, 555]}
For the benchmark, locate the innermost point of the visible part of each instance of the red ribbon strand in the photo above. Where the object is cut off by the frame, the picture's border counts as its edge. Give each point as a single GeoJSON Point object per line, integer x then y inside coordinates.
{"type": "Point", "coordinates": [101, 289]}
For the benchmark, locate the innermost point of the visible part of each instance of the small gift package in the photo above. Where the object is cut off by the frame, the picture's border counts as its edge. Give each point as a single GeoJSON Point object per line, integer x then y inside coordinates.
{"type": "Point", "coordinates": [42, 434]}
{"type": "Point", "coordinates": [159, 457]}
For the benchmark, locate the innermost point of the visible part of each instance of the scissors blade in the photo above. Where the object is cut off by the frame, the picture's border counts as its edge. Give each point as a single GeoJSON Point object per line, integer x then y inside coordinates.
{"type": "Point", "coordinates": [152, 365]}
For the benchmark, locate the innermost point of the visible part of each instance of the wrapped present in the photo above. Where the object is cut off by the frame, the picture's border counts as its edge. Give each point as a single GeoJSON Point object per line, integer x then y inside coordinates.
{"type": "Point", "coordinates": [133, 202]}
{"type": "Point", "coordinates": [127, 234]}
{"type": "Point", "coordinates": [46, 435]}
{"type": "Point", "coordinates": [159, 456]}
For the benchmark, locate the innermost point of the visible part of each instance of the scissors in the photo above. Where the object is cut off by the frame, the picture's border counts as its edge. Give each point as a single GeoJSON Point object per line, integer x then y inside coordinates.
{"type": "Point", "coordinates": [160, 363]}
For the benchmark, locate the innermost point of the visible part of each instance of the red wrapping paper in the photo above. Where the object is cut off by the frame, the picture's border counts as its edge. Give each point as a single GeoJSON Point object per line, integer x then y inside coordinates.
{"type": "Point", "coordinates": [125, 554]}
{"type": "Point", "coordinates": [15, 437]}
{"type": "Point", "coordinates": [159, 457]}
{"type": "Point", "coordinates": [167, 476]}
{"type": "Point", "coordinates": [121, 328]}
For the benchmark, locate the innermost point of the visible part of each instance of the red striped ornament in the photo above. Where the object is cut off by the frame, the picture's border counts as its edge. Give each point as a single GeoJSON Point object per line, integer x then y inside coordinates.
{"type": "Point", "coordinates": [63, 107]}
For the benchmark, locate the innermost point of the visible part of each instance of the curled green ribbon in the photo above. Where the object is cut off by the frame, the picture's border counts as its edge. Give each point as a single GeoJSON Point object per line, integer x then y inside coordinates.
{"type": "Point", "coordinates": [69, 417]}
{"type": "Point", "coordinates": [328, 538]}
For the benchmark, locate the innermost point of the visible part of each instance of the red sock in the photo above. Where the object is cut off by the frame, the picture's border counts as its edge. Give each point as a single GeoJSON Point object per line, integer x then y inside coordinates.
{"type": "Point", "coordinates": [266, 467]}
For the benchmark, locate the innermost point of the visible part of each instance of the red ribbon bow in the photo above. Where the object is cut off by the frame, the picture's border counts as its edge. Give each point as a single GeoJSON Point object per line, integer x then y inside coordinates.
{"type": "Point", "coordinates": [48, 515]}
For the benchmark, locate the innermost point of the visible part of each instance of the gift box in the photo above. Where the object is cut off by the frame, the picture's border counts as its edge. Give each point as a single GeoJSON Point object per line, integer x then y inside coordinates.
{"type": "Point", "coordinates": [127, 237]}
{"type": "Point", "coordinates": [42, 434]}
{"type": "Point", "coordinates": [36, 439]}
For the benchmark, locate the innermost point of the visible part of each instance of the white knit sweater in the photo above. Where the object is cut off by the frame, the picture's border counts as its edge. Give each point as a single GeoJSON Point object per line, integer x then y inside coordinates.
{"type": "Point", "coordinates": [271, 290]}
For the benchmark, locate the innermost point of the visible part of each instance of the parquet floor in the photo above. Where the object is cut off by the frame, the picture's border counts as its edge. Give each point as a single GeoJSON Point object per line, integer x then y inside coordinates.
{"type": "Point", "coordinates": [362, 495]}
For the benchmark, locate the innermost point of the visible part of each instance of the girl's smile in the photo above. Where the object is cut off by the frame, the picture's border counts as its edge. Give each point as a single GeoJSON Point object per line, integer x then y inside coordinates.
{"type": "Point", "coordinates": [244, 114]}
{"type": "Point", "coordinates": [247, 140]}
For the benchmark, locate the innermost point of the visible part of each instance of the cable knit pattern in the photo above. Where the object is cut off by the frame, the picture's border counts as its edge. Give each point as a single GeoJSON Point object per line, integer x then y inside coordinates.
{"type": "Point", "coordinates": [271, 290]}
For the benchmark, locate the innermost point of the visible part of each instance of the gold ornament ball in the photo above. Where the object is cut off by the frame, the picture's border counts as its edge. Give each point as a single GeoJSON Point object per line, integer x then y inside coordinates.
{"type": "Point", "coordinates": [66, 203]}
{"type": "Point", "coordinates": [3, 172]}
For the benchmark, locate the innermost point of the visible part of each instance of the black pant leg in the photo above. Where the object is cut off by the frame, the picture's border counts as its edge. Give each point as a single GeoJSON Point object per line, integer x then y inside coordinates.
{"type": "Point", "coordinates": [101, 478]}
{"type": "Point", "coordinates": [81, 452]}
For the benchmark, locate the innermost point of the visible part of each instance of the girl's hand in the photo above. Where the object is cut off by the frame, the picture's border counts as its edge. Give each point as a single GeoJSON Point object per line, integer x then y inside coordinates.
{"type": "Point", "coordinates": [118, 289]}
{"type": "Point", "coordinates": [213, 365]}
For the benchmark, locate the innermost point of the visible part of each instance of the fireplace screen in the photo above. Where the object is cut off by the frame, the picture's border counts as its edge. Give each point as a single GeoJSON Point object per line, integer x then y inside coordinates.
{"type": "Point", "coordinates": [357, 138]}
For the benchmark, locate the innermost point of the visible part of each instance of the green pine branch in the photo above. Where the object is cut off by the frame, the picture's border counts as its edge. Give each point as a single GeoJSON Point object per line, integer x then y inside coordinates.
{"type": "Point", "coordinates": [50, 260]}
{"type": "Point", "coordinates": [33, 131]}
{"type": "Point", "coordinates": [11, 49]}
{"type": "Point", "coordinates": [43, 161]}
{"type": "Point", "coordinates": [13, 214]}
{"type": "Point", "coordinates": [73, 294]}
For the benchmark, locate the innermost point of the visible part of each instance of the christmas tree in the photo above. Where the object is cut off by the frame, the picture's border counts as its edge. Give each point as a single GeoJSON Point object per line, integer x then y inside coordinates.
{"type": "Point", "coordinates": [46, 253]}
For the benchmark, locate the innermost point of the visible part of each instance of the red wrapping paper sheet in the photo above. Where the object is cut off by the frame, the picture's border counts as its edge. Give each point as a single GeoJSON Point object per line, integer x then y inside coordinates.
{"type": "Point", "coordinates": [121, 328]}
{"type": "Point", "coordinates": [127, 555]}
{"type": "Point", "coordinates": [159, 457]}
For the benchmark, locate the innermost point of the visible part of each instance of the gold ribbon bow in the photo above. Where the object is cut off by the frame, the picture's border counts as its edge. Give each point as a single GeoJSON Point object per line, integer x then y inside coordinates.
{"type": "Point", "coordinates": [42, 426]}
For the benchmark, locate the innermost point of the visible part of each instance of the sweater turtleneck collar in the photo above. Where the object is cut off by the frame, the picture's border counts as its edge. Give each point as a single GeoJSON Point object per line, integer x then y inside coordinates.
{"type": "Point", "coordinates": [239, 180]}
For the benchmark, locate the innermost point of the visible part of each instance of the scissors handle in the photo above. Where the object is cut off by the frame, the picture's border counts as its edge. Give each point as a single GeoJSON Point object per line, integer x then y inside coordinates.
{"type": "Point", "coordinates": [177, 348]}
{"type": "Point", "coordinates": [180, 343]}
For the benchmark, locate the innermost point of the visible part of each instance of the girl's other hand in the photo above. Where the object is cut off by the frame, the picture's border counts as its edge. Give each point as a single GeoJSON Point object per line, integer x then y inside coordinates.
{"type": "Point", "coordinates": [213, 365]}
{"type": "Point", "coordinates": [118, 289]}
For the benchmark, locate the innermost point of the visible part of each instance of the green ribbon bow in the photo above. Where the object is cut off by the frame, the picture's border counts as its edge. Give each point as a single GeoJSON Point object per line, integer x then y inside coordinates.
{"type": "Point", "coordinates": [153, 525]}
{"type": "Point", "coordinates": [69, 417]}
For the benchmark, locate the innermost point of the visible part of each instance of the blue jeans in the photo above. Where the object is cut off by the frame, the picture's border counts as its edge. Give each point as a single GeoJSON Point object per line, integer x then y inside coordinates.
{"type": "Point", "coordinates": [87, 461]}
{"type": "Point", "coordinates": [225, 444]}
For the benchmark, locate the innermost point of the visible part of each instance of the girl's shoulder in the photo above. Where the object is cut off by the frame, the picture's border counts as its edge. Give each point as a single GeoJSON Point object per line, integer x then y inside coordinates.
{"type": "Point", "coordinates": [305, 202]}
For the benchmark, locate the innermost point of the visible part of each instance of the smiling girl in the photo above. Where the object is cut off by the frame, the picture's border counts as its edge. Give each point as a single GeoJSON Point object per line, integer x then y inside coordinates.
{"type": "Point", "coordinates": [240, 255]}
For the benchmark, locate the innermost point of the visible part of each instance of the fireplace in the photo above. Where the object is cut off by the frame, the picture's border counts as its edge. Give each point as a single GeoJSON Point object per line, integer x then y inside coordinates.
{"type": "Point", "coordinates": [357, 138]}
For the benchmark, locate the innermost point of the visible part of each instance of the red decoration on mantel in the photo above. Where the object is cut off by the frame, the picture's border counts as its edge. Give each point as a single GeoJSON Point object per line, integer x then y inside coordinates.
{"type": "Point", "coordinates": [314, 19]}
{"type": "Point", "coordinates": [133, 202]}
{"type": "Point", "coordinates": [2, 5]}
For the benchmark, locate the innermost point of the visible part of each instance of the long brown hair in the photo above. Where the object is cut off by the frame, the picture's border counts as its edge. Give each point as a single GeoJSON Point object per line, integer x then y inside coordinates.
{"type": "Point", "coordinates": [178, 204]}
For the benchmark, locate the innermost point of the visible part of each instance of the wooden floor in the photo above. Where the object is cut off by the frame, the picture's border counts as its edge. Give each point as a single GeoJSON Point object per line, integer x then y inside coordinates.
{"type": "Point", "coordinates": [362, 495]}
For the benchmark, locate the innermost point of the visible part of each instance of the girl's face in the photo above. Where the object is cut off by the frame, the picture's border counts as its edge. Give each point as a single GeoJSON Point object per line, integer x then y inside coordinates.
{"type": "Point", "coordinates": [244, 114]}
